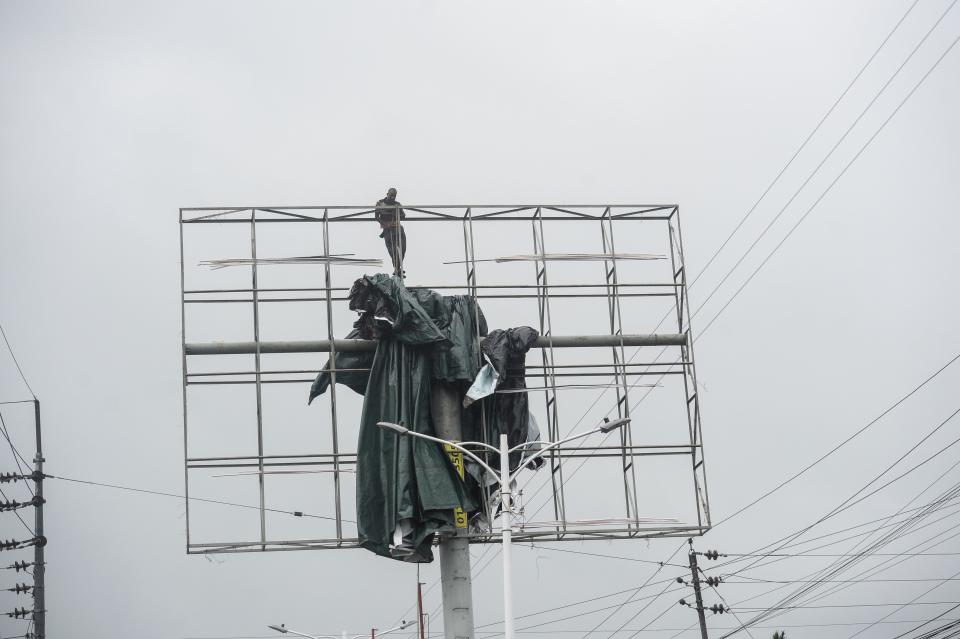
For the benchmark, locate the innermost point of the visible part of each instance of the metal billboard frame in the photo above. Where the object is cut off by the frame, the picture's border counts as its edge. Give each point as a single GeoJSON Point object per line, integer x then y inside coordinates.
{"type": "Point", "coordinates": [618, 368]}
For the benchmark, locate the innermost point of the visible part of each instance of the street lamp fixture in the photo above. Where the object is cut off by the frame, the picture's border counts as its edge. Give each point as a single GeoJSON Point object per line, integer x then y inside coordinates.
{"type": "Point", "coordinates": [505, 479]}
{"type": "Point", "coordinates": [284, 630]}
{"type": "Point", "coordinates": [613, 424]}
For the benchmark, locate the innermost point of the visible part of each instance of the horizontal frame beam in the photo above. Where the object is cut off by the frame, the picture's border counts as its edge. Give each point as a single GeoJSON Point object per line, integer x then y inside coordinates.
{"type": "Point", "coordinates": [571, 534]}
{"type": "Point", "coordinates": [365, 345]}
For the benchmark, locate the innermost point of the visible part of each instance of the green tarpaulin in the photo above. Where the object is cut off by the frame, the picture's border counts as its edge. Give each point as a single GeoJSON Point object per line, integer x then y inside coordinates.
{"type": "Point", "coordinates": [407, 487]}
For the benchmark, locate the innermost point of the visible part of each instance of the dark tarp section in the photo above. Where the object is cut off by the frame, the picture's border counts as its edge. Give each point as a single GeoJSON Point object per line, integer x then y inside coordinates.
{"type": "Point", "coordinates": [353, 371]}
{"type": "Point", "coordinates": [405, 481]}
{"type": "Point", "coordinates": [458, 319]}
{"type": "Point", "coordinates": [506, 350]}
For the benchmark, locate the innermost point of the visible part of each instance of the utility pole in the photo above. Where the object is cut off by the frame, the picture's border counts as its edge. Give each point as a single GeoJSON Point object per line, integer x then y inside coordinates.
{"type": "Point", "coordinates": [695, 575]}
{"type": "Point", "coordinates": [454, 549]}
{"type": "Point", "coordinates": [38, 541]}
{"type": "Point", "coordinates": [39, 610]}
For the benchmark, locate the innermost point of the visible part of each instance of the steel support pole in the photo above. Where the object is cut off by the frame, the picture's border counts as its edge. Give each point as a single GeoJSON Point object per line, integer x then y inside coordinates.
{"type": "Point", "coordinates": [368, 346]}
{"type": "Point", "coordinates": [39, 607]}
{"type": "Point", "coordinates": [454, 549]}
{"type": "Point", "coordinates": [420, 609]}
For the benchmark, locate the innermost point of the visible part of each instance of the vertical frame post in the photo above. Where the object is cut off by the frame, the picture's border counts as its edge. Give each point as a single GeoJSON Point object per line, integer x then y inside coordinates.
{"type": "Point", "coordinates": [257, 374]}
{"type": "Point", "coordinates": [619, 367]}
{"type": "Point", "coordinates": [550, 387]}
{"type": "Point", "coordinates": [470, 263]}
{"type": "Point", "coordinates": [183, 351]}
{"type": "Point", "coordinates": [691, 393]}
{"type": "Point", "coordinates": [333, 378]}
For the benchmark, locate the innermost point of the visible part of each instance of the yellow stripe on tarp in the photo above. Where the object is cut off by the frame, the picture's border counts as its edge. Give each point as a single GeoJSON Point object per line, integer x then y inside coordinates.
{"type": "Point", "coordinates": [456, 456]}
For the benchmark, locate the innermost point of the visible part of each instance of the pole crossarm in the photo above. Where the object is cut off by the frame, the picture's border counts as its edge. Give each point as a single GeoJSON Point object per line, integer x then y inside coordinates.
{"type": "Point", "coordinates": [364, 345]}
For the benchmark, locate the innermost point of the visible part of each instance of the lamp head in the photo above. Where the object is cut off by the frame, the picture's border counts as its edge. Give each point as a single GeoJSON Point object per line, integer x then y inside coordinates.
{"type": "Point", "coordinates": [281, 628]}
{"type": "Point", "coordinates": [613, 424]}
{"type": "Point", "coordinates": [397, 428]}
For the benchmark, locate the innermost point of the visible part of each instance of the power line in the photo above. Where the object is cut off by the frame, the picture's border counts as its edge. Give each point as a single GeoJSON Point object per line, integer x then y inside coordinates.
{"type": "Point", "coordinates": [16, 363]}
{"type": "Point", "coordinates": [924, 623]}
{"type": "Point", "coordinates": [839, 175]}
{"type": "Point", "coordinates": [14, 451]}
{"type": "Point", "coordinates": [804, 143]}
{"type": "Point", "coordinates": [926, 507]}
{"type": "Point", "coordinates": [847, 503]}
{"type": "Point", "coordinates": [912, 602]}
{"type": "Point", "coordinates": [295, 513]}
{"type": "Point", "coordinates": [863, 605]}
{"type": "Point", "coordinates": [617, 557]}
{"type": "Point", "coordinates": [29, 529]}
{"type": "Point", "coordinates": [826, 157]}
{"type": "Point", "coordinates": [770, 186]}
{"type": "Point", "coordinates": [872, 572]}
{"type": "Point", "coordinates": [825, 192]}
{"type": "Point", "coordinates": [634, 594]}
{"type": "Point", "coordinates": [881, 568]}
{"type": "Point", "coordinates": [844, 442]}
{"type": "Point", "coordinates": [816, 202]}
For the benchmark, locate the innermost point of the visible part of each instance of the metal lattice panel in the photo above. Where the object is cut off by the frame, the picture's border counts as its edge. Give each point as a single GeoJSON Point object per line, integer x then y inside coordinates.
{"type": "Point", "coordinates": [604, 285]}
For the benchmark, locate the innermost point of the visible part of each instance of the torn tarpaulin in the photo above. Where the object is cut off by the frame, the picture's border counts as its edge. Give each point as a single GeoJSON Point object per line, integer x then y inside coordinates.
{"type": "Point", "coordinates": [406, 487]}
{"type": "Point", "coordinates": [451, 323]}
{"type": "Point", "coordinates": [506, 354]}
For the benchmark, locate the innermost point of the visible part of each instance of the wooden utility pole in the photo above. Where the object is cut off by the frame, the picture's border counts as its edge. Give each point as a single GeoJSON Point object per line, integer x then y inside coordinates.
{"type": "Point", "coordinates": [695, 575]}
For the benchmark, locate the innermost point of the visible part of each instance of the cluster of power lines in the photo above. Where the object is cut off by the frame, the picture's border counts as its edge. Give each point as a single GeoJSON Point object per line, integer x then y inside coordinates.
{"type": "Point", "coordinates": [900, 525]}
{"type": "Point", "coordinates": [870, 538]}
{"type": "Point", "coordinates": [31, 477]}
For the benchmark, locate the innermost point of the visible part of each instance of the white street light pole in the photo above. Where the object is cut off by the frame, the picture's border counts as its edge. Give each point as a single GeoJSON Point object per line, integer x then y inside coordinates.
{"type": "Point", "coordinates": [284, 630]}
{"type": "Point", "coordinates": [505, 478]}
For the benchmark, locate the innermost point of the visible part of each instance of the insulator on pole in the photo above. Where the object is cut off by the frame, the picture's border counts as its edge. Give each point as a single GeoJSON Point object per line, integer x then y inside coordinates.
{"type": "Point", "coordinates": [19, 613]}
{"type": "Point", "coordinates": [15, 544]}
{"type": "Point", "coordinates": [719, 609]}
{"type": "Point", "coordinates": [18, 588]}
{"type": "Point", "coordinates": [714, 581]}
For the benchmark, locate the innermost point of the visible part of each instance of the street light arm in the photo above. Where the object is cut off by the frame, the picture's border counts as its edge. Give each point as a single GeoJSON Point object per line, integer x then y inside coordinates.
{"type": "Point", "coordinates": [484, 444]}
{"type": "Point", "coordinates": [285, 630]}
{"type": "Point", "coordinates": [458, 447]}
{"type": "Point", "coordinates": [403, 626]}
{"type": "Point", "coordinates": [545, 449]}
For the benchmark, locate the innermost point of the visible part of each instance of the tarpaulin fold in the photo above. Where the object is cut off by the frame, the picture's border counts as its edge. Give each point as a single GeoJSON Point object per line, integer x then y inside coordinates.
{"type": "Point", "coordinates": [406, 487]}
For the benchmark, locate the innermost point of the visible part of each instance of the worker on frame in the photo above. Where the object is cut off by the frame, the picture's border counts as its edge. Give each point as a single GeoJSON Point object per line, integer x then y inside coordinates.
{"type": "Point", "coordinates": [389, 214]}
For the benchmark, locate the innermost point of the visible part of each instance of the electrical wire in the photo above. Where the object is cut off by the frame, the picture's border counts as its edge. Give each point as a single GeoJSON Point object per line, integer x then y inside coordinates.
{"type": "Point", "coordinates": [617, 557]}
{"type": "Point", "coordinates": [911, 602]}
{"type": "Point", "coordinates": [29, 529]}
{"type": "Point", "coordinates": [803, 185]}
{"type": "Point", "coordinates": [634, 594]}
{"type": "Point", "coordinates": [201, 499]}
{"type": "Point", "coordinates": [904, 556]}
{"type": "Point", "coordinates": [832, 183]}
{"type": "Point", "coordinates": [849, 164]}
{"type": "Point", "coordinates": [15, 362]}
{"type": "Point", "coordinates": [15, 452]}
{"type": "Point", "coordinates": [825, 158]}
{"type": "Point", "coordinates": [924, 623]}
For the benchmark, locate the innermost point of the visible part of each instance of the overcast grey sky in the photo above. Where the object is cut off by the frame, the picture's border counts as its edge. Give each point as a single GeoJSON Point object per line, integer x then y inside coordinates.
{"type": "Point", "coordinates": [115, 114]}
